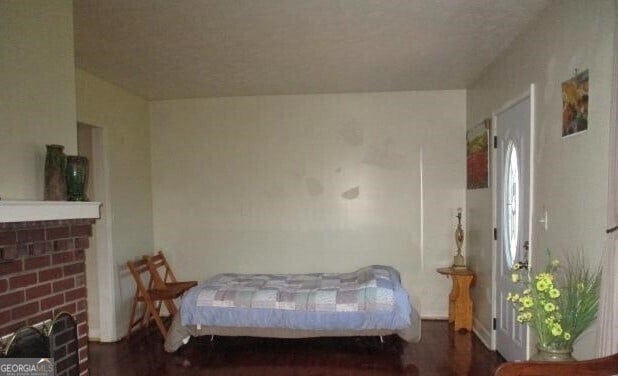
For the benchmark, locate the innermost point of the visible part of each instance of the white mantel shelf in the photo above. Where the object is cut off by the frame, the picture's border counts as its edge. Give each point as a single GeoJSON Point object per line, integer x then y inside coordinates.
{"type": "Point", "coordinates": [26, 211]}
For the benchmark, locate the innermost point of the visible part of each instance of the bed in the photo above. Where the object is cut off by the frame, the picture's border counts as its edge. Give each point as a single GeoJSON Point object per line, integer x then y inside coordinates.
{"type": "Point", "coordinates": [367, 302]}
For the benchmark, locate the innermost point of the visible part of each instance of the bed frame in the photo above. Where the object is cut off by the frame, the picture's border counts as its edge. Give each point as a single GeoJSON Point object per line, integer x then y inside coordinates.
{"type": "Point", "coordinates": [179, 334]}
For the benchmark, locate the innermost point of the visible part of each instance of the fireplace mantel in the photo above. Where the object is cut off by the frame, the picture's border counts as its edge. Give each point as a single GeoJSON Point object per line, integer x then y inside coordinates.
{"type": "Point", "coordinates": [26, 211]}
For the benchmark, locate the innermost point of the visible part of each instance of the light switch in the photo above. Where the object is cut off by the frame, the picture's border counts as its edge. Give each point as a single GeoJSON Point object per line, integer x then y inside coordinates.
{"type": "Point", "coordinates": [545, 219]}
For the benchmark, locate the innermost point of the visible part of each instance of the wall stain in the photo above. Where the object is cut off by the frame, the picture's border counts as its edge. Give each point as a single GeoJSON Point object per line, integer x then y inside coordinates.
{"type": "Point", "coordinates": [352, 193]}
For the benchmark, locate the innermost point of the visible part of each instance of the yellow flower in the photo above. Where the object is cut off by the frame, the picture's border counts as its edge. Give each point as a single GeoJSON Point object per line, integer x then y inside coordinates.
{"type": "Point", "coordinates": [526, 292]}
{"type": "Point", "coordinates": [527, 301]}
{"type": "Point", "coordinates": [567, 336]}
{"type": "Point", "coordinates": [549, 307]}
{"type": "Point", "coordinates": [542, 285]}
{"type": "Point", "coordinates": [515, 277]}
{"type": "Point", "coordinates": [524, 317]}
{"type": "Point", "coordinates": [520, 318]}
{"type": "Point", "coordinates": [556, 330]}
{"type": "Point", "coordinates": [545, 276]}
{"type": "Point", "coordinates": [554, 293]}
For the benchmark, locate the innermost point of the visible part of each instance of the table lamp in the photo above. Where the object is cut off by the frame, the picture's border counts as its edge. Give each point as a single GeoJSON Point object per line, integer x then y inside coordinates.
{"type": "Point", "coordinates": [458, 259]}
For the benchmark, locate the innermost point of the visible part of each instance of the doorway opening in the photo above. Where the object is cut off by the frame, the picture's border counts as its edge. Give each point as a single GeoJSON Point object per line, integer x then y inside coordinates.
{"type": "Point", "coordinates": [99, 260]}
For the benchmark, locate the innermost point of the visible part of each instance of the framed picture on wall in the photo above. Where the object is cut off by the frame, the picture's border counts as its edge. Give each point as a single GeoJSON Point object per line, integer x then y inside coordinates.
{"type": "Point", "coordinates": [477, 153]}
{"type": "Point", "coordinates": [575, 104]}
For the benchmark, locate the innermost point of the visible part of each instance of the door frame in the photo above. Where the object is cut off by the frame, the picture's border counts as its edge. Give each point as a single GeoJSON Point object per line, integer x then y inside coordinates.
{"type": "Point", "coordinates": [531, 93]}
{"type": "Point", "coordinates": [102, 236]}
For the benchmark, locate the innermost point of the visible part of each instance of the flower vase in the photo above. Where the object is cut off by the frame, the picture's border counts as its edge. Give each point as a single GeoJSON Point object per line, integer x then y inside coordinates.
{"type": "Point", "coordinates": [76, 174]}
{"type": "Point", "coordinates": [55, 184]}
{"type": "Point", "coordinates": [546, 354]}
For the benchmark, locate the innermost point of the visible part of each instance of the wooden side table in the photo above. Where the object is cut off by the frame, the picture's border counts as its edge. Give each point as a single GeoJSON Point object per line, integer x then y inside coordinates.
{"type": "Point", "coordinates": [459, 300]}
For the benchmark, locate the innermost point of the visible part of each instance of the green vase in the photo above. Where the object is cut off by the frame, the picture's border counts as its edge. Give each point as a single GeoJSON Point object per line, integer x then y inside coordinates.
{"type": "Point", "coordinates": [76, 174]}
{"type": "Point", "coordinates": [546, 354]}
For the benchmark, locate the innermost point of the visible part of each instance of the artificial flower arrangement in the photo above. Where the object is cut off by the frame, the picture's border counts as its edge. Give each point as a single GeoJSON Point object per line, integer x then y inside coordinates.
{"type": "Point", "coordinates": [559, 303]}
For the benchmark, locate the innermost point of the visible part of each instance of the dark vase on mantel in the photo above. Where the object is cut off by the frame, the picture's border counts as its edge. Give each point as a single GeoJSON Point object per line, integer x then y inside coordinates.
{"type": "Point", "coordinates": [76, 173]}
{"type": "Point", "coordinates": [55, 183]}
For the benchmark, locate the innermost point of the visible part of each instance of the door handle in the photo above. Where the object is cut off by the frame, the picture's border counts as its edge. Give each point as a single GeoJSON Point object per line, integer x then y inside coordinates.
{"type": "Point", "coordinates": [523, 264]}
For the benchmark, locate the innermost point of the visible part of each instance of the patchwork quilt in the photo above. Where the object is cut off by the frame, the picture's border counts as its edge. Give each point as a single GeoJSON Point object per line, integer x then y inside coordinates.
{"type": "Point", "coordinates": [371, 297]}
{"type": "Point", "coordinates": [371, 288]}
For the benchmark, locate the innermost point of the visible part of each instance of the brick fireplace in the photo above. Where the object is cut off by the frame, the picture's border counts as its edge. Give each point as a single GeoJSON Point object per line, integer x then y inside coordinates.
{"type": "Point", "coordinates": [42, 267]}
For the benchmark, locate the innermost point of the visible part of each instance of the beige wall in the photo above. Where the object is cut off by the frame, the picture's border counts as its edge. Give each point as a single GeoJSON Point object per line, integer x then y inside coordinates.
{"type": "Point", "coordinates": [38, 107]}
{"type": "Point", "coordinates": [37, 95]}
{"type": "Point", "coordinates": [124, 121]}
{"type": "Point", "coordinates": [570, 173]}
{"type": "Point", "coordinates": [311, 183]}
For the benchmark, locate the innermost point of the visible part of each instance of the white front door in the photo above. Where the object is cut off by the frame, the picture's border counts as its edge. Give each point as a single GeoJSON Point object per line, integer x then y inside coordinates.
{"type": "Point", "coordinates": [513, 128]}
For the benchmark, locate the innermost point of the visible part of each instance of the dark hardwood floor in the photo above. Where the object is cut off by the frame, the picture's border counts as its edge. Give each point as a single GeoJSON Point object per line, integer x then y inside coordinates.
{"type": "Point", "coordinates": [440, 352]}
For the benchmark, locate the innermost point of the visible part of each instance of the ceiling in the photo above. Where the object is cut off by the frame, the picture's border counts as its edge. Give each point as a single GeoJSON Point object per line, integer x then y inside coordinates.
{"type": "Point", "coordinates": [162, 49]}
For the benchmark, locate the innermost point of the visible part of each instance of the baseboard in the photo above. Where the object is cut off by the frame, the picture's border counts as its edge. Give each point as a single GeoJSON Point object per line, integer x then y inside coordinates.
{"type": "Point", "coordinates": [434, 317]}
{"type": "Point", "coordinates": [482, 332]}
{"type": "Point", "coordinates": [94, 334]}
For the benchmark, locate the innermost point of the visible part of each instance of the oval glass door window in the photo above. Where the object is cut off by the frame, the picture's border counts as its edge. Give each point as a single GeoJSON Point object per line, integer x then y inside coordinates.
{"type": "Point", "coordinates": [512, 202]}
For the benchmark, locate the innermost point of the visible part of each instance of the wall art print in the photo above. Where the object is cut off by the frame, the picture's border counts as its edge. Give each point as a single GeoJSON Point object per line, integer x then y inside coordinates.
{"type": "Point", "coordinates": [477, 152]}
{"type": "Point", "coordinates": [575, 104]}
